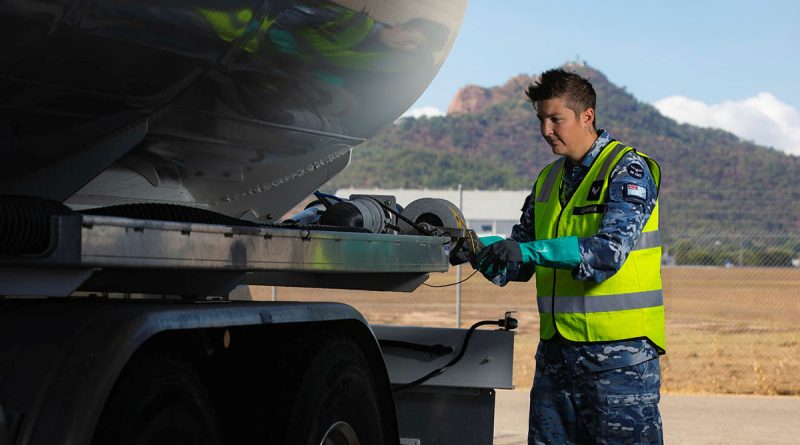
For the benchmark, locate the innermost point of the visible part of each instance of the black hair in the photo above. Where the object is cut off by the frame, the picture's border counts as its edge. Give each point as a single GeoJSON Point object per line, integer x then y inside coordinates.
{"type": "Point", "coordinates": [577, 92]}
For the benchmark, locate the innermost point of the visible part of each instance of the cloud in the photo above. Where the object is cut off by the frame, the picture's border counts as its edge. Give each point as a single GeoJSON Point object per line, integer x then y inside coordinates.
{"type": "Point", "coordinates": [423, 112]}
{"type": "Point", "coordinates": [762, 118]}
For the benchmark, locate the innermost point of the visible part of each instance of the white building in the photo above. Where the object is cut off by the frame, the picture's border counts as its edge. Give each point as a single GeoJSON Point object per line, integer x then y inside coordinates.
{"type": "Point", "coordinates": [487, 212]}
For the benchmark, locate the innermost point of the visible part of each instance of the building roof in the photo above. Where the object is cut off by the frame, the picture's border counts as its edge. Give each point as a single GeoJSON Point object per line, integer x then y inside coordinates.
{"type": "Point", "coordinates": [478, 204]}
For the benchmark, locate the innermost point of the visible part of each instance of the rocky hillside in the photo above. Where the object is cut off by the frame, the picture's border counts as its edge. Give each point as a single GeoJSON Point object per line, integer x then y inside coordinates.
{"type": "Point", "coordinates": [712, 180]}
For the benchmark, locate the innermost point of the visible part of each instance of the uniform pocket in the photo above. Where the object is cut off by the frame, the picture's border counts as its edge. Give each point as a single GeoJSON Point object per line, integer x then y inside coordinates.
{"type": "Point", "coordinates": [631, 413]}
{"type": "Point", "coordinates": [633, 419]}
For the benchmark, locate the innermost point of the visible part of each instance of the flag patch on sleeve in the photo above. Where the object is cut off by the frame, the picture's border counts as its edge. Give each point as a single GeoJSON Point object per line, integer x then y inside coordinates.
{"type": "Point", "coordinates": [635, 192]}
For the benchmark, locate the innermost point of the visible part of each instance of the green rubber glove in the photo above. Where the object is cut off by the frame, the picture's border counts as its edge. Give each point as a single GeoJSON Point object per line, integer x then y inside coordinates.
{"type": "Point", "coordinates": [560, 253]}
{"type": "Point", "coordinates": [486, 240]}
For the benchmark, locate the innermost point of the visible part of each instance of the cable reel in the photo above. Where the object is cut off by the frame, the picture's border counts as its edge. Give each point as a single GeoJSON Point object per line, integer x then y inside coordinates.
{"type": "Point", "coordinates": [373, 213]}
{"type": "Point", "coordinates": [439, 216]}
{"type": "Point", "coordinates": [382, 214]}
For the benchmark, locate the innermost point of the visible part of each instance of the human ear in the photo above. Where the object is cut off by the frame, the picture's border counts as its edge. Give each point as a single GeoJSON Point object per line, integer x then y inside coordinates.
{"type": "Point", "coordinates": [587, 117]}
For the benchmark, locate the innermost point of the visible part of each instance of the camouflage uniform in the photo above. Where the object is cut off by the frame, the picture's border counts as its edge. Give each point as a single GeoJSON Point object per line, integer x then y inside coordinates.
{"type": "Point", "coordinates": [605, 393]}
{"type": "Point", "coordinates": [583, 394]}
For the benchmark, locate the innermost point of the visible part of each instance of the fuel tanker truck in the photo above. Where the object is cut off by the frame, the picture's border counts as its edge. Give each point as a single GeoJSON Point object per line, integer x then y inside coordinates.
{"type": "Point", "coordinates": [149, 150]}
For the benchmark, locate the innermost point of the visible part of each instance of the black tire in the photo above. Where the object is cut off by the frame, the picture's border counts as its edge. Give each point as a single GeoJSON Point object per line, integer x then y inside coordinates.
{"type": "Point", "coordinates": [158, 400]}
{"type": "Point", "coordinates": [335, 401]}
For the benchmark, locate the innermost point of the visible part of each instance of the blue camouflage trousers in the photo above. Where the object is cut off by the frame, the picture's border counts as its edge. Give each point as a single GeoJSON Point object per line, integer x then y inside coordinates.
{"type": "Point", "coordinates": [615, 406]}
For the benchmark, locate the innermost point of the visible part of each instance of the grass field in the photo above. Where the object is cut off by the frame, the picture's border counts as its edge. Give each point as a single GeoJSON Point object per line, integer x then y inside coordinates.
{"type": "Point", "coordinates": [729, 330]}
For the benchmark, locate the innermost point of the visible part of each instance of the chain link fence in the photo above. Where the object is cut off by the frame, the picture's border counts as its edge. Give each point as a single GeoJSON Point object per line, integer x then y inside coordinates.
{"type": "Point", "coordinates": [732, 301]}
{"type": "Point", "coordinates": [750, 248]}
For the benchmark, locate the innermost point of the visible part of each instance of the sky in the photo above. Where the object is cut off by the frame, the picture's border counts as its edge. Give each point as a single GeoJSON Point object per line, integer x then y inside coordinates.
{"type": "Point", "coordinates": [733, 65]}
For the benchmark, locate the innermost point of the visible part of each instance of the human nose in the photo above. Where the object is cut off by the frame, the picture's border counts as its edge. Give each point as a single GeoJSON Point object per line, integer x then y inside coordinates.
{"type": "Point", "coordinates": [545, 128]}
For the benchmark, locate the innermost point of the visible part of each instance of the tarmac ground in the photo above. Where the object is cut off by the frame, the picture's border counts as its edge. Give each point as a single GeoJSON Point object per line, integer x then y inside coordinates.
{"type": "Point", "coordinates": [688, 419]}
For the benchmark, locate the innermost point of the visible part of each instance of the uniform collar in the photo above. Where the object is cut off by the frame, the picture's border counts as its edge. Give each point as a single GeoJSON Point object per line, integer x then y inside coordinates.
{"type": "Point", "coordinates": [603, 138]}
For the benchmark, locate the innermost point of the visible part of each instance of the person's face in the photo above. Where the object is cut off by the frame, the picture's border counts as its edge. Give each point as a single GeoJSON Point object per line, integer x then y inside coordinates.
{"type": "Point", "coordinates": [567, 134]}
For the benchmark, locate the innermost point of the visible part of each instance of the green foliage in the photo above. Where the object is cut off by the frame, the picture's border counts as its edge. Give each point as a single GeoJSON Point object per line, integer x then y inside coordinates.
{"type": "Point", "coordinates": [698, 253]}
{"type": "Point", "coordinates": [770, 257]}
{"type": "Point", "coordinates": [749, 249]}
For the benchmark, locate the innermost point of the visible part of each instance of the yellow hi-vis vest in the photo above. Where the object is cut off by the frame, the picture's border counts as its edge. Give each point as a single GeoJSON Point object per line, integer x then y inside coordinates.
{"type": "Point", "coordinates": [630, 303]}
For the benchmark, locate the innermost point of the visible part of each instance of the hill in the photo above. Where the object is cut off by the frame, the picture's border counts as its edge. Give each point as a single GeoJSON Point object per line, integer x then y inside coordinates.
{"type": "Point", "coordinates": [713, 182]}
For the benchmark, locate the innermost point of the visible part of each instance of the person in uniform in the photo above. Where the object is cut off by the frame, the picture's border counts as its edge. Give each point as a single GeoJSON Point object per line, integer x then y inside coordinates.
{"type": "Point", "coordinates": [589, 232]}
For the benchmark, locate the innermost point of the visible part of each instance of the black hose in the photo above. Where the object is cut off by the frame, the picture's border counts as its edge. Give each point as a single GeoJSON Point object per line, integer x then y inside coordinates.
{"type": "Point", "coordinates": [455, 359]}
{"type": "Point", "coordinates": [413, 224]}
{"type": "Point", "coordinates": [436, 350]}
{"type": "Point", "coordinates": [343, 214]}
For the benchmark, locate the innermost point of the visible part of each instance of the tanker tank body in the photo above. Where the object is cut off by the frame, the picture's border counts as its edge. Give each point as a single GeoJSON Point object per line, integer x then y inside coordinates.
{"type": "Point", "coordinates": [240, 107]}
{"type": "Point", "coordinates": [117, 328]}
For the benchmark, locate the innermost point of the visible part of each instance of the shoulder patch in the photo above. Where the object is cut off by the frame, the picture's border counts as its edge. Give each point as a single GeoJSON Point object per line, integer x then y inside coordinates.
{"type": "Point", "coordinates": [636, 171]}
{"type": "Point", "coordinates": [635, 193]}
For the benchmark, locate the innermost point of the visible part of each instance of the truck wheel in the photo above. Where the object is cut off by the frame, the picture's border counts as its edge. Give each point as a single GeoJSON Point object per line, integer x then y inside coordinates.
{"type": "Point", "coordinates": [335, 402]}
{"type": "Point", "coordinates": [158, 400]}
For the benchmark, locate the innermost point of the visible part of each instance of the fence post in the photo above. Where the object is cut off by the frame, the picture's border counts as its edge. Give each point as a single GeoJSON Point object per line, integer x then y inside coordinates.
{"type": "Point", "coordinates": [274, 293]}
{"type": "Point", "coordinates": [741, 250]}
{"type": "Point", "coordinates": [458, 268]}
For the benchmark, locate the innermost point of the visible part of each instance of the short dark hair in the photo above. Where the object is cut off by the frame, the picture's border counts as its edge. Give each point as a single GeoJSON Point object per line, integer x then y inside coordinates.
{"type": "Point", "coordinates": [576, 91]}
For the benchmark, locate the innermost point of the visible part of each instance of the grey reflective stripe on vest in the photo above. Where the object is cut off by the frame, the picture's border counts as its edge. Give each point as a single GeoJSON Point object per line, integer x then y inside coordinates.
{"type": "Point", "coordinates": [550, 180]}
{"type": "Point", "coordinates": [605, 303]}
{"type": "Point", "coordinates": [614, 153]}
{"type": "Point", "coordinates": [648, 240]}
